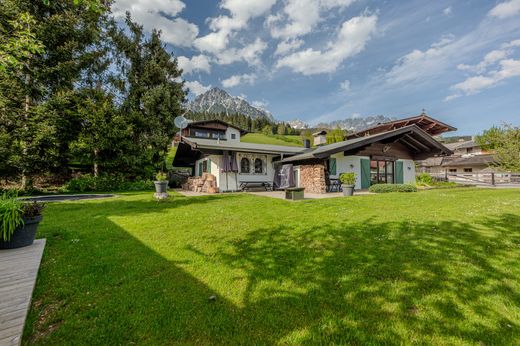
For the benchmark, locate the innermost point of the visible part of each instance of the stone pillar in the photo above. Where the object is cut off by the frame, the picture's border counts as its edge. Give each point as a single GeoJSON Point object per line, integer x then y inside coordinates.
{"type": "Point", "coordinates": [312, 178]}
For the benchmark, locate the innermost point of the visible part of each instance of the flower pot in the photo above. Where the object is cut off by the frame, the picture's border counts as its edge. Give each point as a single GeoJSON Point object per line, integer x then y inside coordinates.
{"type": "Point", "coordinates": [161, 186]}
{"type": "Point", "coordinates": [24, 235]}
{"type": "Point", "coordinates": [348, 190]}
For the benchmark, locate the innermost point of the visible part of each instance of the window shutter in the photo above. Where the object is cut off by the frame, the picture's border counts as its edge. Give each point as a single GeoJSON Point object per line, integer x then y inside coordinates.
{"type": "Point", "coordinates": [365, 173]}
{"type": "Point", "coordinates": [200, 168]}
{"type": "Point", "coordinates": [399, 173]}
{"type": "Point", "coordinates": [332, 166]}
{"type": "Point", "coordinates": [209, 165]}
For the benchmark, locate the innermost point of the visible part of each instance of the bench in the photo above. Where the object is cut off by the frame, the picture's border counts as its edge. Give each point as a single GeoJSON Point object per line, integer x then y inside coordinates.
{"type": "Point", "coordinates": [245, 185]}
{"type": "Point", "coordinates": [294, 193]}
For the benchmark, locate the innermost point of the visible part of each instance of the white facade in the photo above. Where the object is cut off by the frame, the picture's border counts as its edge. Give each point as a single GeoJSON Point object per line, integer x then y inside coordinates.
{"type": "Point", "coordinates": [232, 134]}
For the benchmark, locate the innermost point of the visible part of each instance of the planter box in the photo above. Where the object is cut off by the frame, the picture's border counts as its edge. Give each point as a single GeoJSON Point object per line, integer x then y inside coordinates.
{"type": "Point", "coordinates": [24, 235]}
{"type": "Point", "coordinates": [294, 193]}
{"type": "Point", "coordinates": [161, 186]}
{"type": "Point", "coordinates": [348, 190]}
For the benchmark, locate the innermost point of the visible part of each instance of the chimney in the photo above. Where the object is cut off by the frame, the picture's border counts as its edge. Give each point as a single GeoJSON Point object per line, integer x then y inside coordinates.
{"type": "Point", "coordinates": [307, 143]}
{"type": "Point", "coordinates": [320, 137]}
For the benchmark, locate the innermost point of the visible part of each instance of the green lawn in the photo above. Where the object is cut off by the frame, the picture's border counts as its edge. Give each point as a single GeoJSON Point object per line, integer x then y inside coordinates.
{"type": "Point", "coordinates": [433, 267]}
{"type": "Point", "coordinates": [260, 138]}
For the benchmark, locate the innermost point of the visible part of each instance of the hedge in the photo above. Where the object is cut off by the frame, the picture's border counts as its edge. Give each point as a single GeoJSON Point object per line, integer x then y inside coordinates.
{"type": "Point", "coordinates": [105, 183]}
{"type": "Point", "coordinates": [383, 188]}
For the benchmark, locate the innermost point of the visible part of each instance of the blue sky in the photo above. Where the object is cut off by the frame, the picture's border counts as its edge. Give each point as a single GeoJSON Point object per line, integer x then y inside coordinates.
{"type": "Point", "coordinates": [323, 60]}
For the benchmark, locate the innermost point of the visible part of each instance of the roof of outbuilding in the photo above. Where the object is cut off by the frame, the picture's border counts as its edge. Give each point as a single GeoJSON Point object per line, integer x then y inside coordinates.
{"type": "Point", "coordinates": [202, 143]}
{"type": "Point", "coordinates": [471, 160]}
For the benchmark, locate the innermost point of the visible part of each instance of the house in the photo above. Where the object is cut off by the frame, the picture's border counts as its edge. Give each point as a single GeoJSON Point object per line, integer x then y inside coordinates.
{"type": "Point", "coordinates": [467, 157]}
{"type": "Point", "coordinates": [385, 154]}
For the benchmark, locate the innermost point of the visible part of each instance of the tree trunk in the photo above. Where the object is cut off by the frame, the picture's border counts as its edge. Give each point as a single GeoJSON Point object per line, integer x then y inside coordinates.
{"type": "Point", "coordinates": [96, 166]}
{"type": "Point", "coordinates": [27, 104]}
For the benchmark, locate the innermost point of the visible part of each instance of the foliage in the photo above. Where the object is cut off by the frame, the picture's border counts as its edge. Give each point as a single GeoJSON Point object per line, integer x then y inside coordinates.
{"type": "Point", "coordinates": [11, 215]}
{"type": "Point", "coordinates": [260, 138]}
{"type": "Point", "coordinates": [32, 209]}
{"type": "Point", "coordinates": [103, 183]}
{"type": "Point", "coordinates": [161, 176]}
{"type": "Point", "coordinates": [505, 143]}
{"type": "Point", "coordinates": [336, 135]}
{"type": "Point", "coordinates": [370, 270]}
{"type": "Point", "coordinates": [348, 178]}
{"type": "Point", "coordinates": [383, 188]}
{"type": "Point", "coordinates": [424, 179]}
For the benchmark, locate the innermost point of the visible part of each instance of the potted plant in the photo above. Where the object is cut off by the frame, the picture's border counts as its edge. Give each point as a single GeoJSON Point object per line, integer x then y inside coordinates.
{"type": "Point", "coordinates": [161, 183]}
{"type": "Point", "coordinates": [18, 221]}
{"type": "Point", "coordinates": [348, 181]}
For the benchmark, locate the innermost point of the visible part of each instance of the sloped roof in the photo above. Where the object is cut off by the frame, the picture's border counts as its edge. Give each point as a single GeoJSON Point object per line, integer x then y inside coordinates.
{"type": "Point", "coordinates": [471, 160]}
{"type": "Point", "coordinates": [203, 143]}
{"type": "Point", "coordinates": [428, 124]}
{"type": "Point", "coordinates": [222, 122]}
{"type": "Point", "coordinates": [411, 136]}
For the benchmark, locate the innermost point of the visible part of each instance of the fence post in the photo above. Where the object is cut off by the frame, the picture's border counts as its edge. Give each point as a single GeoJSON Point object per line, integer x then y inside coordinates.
{"type": "Point", "coordinates": [493, 178]}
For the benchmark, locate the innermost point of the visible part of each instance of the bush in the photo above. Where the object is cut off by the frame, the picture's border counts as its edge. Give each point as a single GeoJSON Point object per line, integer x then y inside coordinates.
{"type": "Point", "coordinates": [161, 176]}
{"type": "Point", "coordinates": [424, 179]}
{"type": "Point", "coordinates": [383, 188]}
{"type": "Point", "coordinates": [348, 178]}
{"type": "Point", "coordinates": [90, 183]}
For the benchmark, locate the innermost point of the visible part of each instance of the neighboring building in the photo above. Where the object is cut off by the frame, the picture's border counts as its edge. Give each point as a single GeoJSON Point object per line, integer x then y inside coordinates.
{"type": "Point", "coordinates": [468, 157]}
{"type": "Point", "coordinates": [376, 156]}
{"type": "Point", "coordinates": [320, 137]}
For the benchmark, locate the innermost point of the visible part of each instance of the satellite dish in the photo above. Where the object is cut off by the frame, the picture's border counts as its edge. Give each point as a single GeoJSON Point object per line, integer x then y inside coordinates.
{"type": "Point", "coordinates": [181, 122]}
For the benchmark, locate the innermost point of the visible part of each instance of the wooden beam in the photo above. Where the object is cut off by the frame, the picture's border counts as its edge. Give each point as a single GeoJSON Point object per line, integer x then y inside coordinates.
{"type": "Point", "coordinates": [409, 144]}
{"type": "Point", "coordinates": [416, 142]}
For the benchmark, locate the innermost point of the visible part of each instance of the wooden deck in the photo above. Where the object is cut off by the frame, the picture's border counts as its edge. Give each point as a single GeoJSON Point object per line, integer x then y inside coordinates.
{"type": "Point", "coordinates": [18, 271]}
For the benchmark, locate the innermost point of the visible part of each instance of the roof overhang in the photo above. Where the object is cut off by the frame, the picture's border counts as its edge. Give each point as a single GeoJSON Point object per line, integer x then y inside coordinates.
{"type": "Point", "coordinates": [420, 144]}
{"type": "Point", "coordinates": [428, 124]}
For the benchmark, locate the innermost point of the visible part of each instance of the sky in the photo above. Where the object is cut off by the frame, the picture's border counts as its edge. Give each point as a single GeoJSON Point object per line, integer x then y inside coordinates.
{"type": "Point", "coordinates": [325, 60]}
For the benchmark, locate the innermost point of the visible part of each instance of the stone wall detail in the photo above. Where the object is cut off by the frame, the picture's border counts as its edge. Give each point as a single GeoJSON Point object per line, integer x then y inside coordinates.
{"type": "Point", "coordinates": [312, 178]}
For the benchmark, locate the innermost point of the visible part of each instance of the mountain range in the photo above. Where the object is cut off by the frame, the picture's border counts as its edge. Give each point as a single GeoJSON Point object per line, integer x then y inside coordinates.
{"type": "Point", "coordinates": [217, 100]}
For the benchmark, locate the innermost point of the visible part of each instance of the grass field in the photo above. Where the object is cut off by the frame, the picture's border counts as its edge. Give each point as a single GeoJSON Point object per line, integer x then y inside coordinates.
{"type": "Point", "coordinates": [289, 140]}
{"type": "Point", "coordinates": [434, 267]}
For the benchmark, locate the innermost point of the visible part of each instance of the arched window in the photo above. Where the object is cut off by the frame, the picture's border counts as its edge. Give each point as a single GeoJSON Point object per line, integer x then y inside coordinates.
{"type": "Point", "coordinates": [244, 165]}
{"type": "Point", "coordinates": [259, 166]}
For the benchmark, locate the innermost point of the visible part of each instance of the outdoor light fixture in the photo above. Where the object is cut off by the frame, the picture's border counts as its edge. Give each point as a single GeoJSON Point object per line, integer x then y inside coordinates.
{"type": "Point", "coordinates": [351, 165]}
{"type": "Point", "coordinates": [409, 168]}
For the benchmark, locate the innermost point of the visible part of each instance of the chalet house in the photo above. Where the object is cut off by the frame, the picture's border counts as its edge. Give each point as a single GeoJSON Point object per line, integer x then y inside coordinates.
{"type": "Point", "coordinates": [382, 154]}
{"type": "Point", "coordinates": [467, 157]}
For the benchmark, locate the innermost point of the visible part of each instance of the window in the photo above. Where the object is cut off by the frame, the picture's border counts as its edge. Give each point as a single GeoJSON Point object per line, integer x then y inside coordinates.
{"type": "Point", "coordinates": [201, 134]}
{"type": "Point", "coordinates": [233, 136]}
{"type": "Point", "coordinates": [244, 165]}
{"type": "Point", "coordinates": [259, 166]}
{"type": "Point", "coordinates": [452, 170]}
{"type": "Point", "coordinates": [381, 172]}
{"type": "Point", "coordinates": [468, 170]}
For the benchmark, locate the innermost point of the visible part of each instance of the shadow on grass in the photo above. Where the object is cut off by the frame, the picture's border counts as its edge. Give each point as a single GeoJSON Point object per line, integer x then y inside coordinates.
{"type": "Point", "coordinates": [379, 283]}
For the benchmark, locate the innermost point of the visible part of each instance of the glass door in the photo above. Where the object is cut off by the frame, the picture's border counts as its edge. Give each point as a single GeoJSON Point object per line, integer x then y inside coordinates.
{"type": "Point", "coordinates": [381, 172]}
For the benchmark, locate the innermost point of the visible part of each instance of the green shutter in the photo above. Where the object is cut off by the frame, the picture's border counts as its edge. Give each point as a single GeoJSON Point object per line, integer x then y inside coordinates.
{"type": "Point", "coordinates": [332, 166]}
{"type": "Point", "coordinates": [399, 174]}
{"type": "Point", "coordinates": [365, 173]}
{"type": "Point", "coordinates": [209, 165]}
{"type": "Point", "coordinates": [200, 168]}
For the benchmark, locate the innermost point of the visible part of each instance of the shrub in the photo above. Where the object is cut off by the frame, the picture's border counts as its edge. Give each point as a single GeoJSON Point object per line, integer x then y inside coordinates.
{"type": "Point", "coordinates": [383, 188]}
{"type": "Point", "coordinates": [11, 215]}
{"type": "Point", "coordinates": [424, 179]}
{"type": "Point", "coordinates": [348, 178]}
{"type": "Point", "coordinates": [161, 176]}
{"type": "Point", "coordinates": [89, 183]}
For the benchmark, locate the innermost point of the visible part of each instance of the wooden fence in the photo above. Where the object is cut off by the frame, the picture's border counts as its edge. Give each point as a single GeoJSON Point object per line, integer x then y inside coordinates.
{"type": "Point", "coordinates": [491, 178]}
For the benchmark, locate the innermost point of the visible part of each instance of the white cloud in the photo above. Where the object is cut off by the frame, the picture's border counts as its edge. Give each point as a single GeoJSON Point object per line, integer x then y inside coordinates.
{"type": "Point", "coordinates": [417, 63]}
{"type": "Point", "coordinates": [351, 40]}
{"type": "Point", "coordinates": [250, 53]}
{"type": "Point", "coordinates": [494, 68]}
{"type": "Point", "coordinates": [505, 9]}
{"type": "Point", "coordinates": [150, 14]}
{"type": "Point", "coordinates": [345, 85]}
{"type": "Point", "coordinates": [196, 87]}
{"type": "Point", "coordinates": [196, 63]}
{"type": "Point", "coordinates": [447, 11]}
{"type": "Point", "coordinates": [288, 46]}
{"type": "Point", "coordinates": [223, 26]}
{"type": "Point", "coordinates": [238, 79]}
{"type": "Point", "coordinates": [300, 17]}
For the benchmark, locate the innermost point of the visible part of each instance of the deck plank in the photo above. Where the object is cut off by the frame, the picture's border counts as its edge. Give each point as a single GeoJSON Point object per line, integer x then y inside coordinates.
{"type": "Point", "coordinates": [18, 272]}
